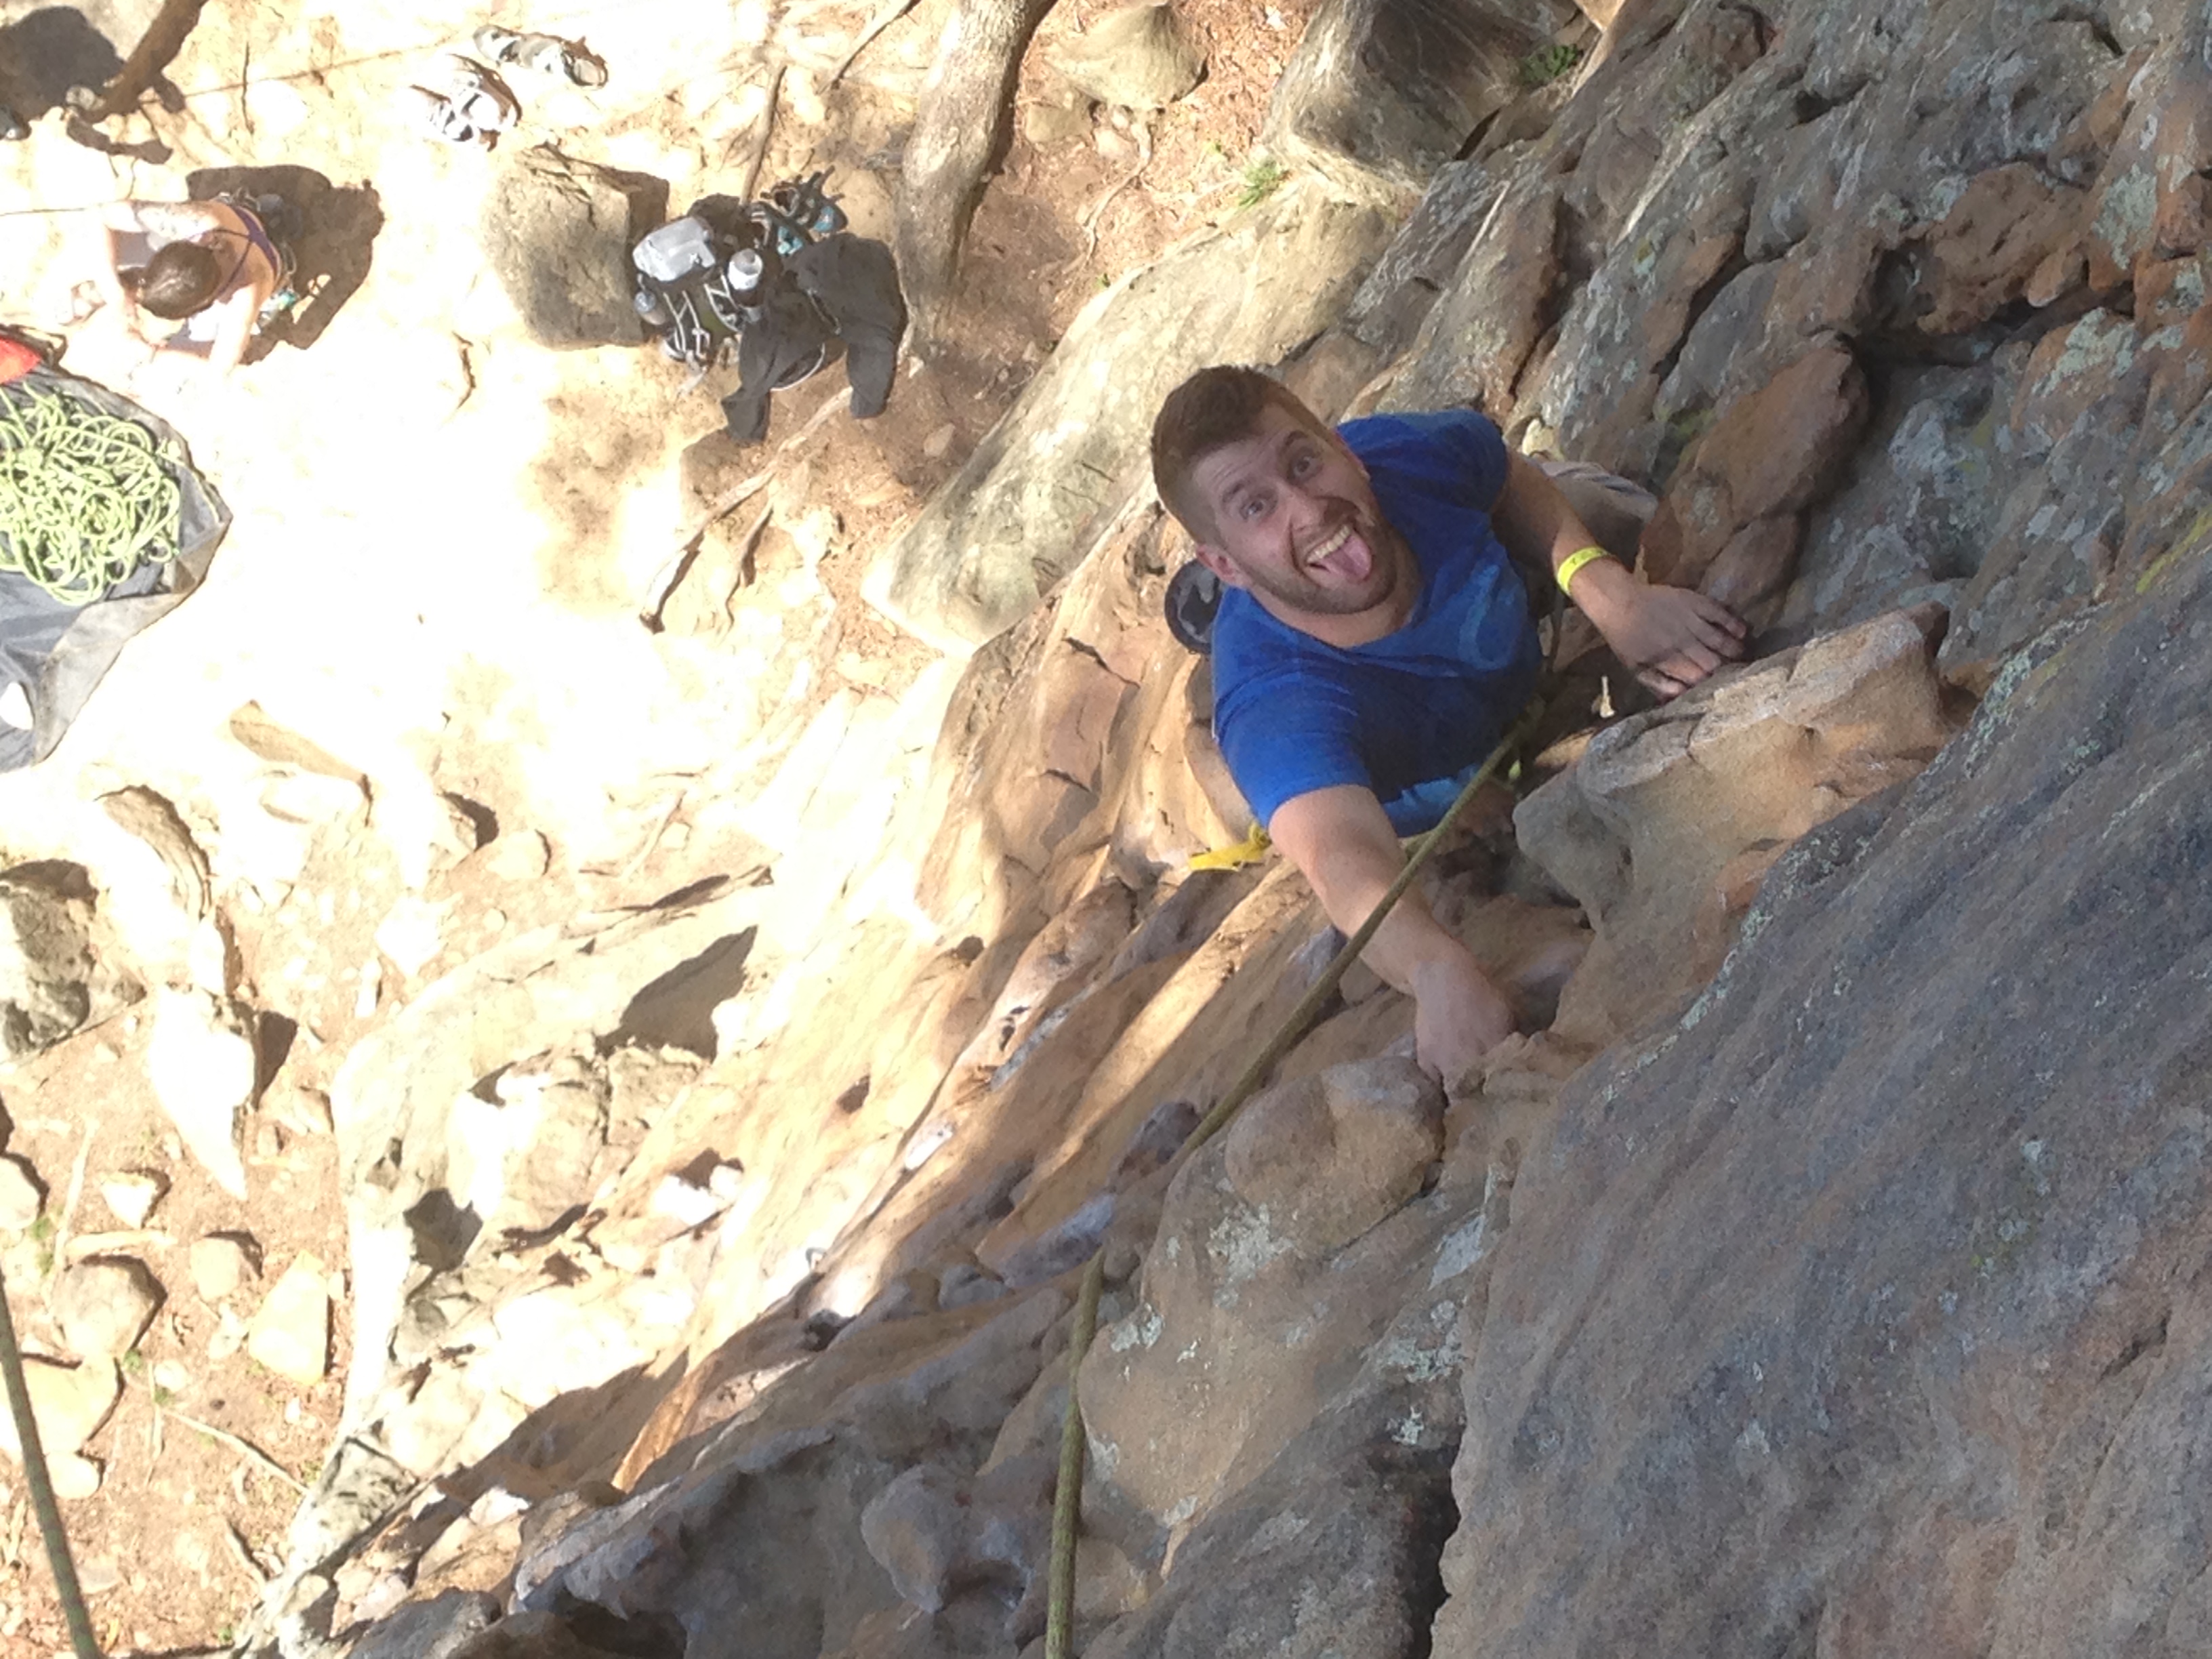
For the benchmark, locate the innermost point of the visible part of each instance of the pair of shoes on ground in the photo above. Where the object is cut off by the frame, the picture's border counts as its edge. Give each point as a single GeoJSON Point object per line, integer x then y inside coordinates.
{"type": "Point", "coordinates": [541, 54]}
{"type": "Point", "coordinates": [475, 109]}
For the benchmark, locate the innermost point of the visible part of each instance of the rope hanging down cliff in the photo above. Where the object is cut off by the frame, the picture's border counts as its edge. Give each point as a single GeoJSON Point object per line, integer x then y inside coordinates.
{"type": "Point", "coordinates": [85, 496]}
{"type": "Point", "coordinates": [1067, 1501]}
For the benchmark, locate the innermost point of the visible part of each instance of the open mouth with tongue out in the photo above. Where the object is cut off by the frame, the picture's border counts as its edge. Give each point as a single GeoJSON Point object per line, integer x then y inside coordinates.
{"type": "Point", "coordinates": [1342, 554]}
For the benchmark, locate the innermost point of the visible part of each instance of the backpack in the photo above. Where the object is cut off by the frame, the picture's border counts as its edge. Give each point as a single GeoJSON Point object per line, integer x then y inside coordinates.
{"type": "Point", "coordinates": [702, 279]}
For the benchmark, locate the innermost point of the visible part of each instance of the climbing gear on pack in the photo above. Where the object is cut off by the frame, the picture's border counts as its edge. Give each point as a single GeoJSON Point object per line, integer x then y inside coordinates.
{"type": "Point", "coordinates": [476, 110]}
{"type": "Point", "coordinates": [85, 496]}
{"type": "Point", "coordinates": [1193, 599]}
{"type": "Point", "coordinates": [1067, 1497]}
{"type": "Point", "coordinates": [1574, 562]}
{"type": "Point", "coordinates": [1236, 854]}
{"type": "Point", "coordinates": [705, 277]}
{"type": "Point", "coordinates": [541, 54]}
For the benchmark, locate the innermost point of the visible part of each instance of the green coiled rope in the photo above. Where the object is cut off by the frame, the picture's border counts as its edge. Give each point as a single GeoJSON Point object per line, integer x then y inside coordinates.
{"type": "Point", "coordinates": [85, 496]}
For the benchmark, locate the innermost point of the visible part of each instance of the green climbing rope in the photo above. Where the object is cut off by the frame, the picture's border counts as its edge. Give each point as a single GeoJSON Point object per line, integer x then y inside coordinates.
{"type": "Point", "coordinates": [1068, 1498]}
{"type": "Point", "coordinates": [85, 496]}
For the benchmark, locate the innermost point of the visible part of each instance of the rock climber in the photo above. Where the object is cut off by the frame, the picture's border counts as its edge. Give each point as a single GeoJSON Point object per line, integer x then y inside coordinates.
{"type": "Point", "coordinates": [1374, 641]}
{"type": "Point", "coordinates": [215, 267]}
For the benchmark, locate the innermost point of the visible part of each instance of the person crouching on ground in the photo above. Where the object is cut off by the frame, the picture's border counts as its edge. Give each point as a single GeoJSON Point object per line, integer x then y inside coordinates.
{"type": "Point", "coordinates": [1375, 641]}
{"type": "Point", "coordinates": [210, 266]}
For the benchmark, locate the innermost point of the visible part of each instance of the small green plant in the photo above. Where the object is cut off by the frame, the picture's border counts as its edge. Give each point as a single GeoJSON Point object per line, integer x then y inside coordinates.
{"type": "Point", "coordinates": [1547, 64]}
{"type": "Point", "coordinates": [163, 1397]}
{"type": "Point", "coordinates": [42, 1235]}
{"type": "Point", "coordinates": [1262, 178]}
{"type": "Point", "coordinates": [134, 1364]}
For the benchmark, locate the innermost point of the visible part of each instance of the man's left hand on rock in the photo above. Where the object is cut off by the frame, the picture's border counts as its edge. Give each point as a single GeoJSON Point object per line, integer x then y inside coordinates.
{"type": "Point", "coordinates": [1670, 638]}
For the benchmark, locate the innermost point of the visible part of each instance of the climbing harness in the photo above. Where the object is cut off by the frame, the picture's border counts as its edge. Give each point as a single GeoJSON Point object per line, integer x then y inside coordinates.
{"type": "Point", "coordinates": [86, 497]}
{"type": "Point", "coordinates": [66, 1588]}
{"type": "Point", "coordinates": [1067, 1500]}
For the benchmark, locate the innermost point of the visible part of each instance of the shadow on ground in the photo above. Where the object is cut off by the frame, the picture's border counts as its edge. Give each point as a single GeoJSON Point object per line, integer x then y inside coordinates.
{"type": "Point", "coordinates": [45, 53]}
{"type": "Point", "coordinates": [333, 244]}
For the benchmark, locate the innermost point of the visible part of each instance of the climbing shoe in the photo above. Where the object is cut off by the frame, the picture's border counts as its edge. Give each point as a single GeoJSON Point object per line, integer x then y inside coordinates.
{"type": "Point", "coordinates": [541, 54]}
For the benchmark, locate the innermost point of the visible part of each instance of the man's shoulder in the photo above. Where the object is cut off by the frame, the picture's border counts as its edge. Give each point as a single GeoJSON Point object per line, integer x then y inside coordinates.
{"type": "Point", "coordinates": [1418, 431]}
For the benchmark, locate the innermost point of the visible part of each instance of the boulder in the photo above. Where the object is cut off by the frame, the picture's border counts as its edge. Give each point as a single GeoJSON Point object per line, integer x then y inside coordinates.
{"type": "Point", "coordinates": [1253, 1289]}
{"type": "Point", "coordinates": [220, 1262]}
{"type": "Point", "coordinates": [103, 1306]}
{"type": "Point", "coordinates": [291, 1334]}
{"type": "Point", "coordinates": [1140, 57]}
{"type": "Point", "coordinates": [68, 1403]}
{"type": "Point", "coordinates": [1662, 828]}
{"type": "Point", "coordinates": [203, 1066]}
{"type": "Point", "coordinates": [1860, 1310]}
{"type": "Point", "coordinates": [131, 1196]}
{"type": "Point", "coordinates": [58, 972]}
{"type": "Point", "coordinates": [434, 1628]}
{"type": "Point", "coordinates": [1381, 92]}
{"type": "Point", "coordinates": [557, 233]}
{"type": "Point", "coordinates": [1059, 465]}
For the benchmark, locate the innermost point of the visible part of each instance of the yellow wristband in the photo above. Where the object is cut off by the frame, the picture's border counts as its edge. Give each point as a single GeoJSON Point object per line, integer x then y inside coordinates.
{"type": "Point", "coordinates": [1574, 562]}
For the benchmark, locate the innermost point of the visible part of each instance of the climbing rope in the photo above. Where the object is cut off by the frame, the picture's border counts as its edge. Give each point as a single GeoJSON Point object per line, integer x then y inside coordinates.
{"type": "Point", "coordinates": [79, 1617]}
{"type": "Point", "coordinates": [1066, 1498]}
{"type": "Point", "coordinates": [85, 496]}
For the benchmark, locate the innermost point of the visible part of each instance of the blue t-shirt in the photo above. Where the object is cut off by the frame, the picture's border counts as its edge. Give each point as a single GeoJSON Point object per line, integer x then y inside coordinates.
{"type": "Point", "coordinates": [1412, 715]}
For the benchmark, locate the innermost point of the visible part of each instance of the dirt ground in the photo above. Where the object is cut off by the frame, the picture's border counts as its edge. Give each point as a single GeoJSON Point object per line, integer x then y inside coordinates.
{"type": "Point", "coordinates": [443, 535]}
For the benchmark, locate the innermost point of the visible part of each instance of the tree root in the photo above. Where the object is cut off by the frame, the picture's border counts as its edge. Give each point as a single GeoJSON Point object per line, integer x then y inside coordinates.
{"type": "Point", "coordinates": [967, 105]}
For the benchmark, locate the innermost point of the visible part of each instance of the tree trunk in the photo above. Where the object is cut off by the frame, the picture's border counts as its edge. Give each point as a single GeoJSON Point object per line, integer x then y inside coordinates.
{"type": "Point", "coordinates": [157, 49]}
{"type": "Point", "coordinates": [966, 105]}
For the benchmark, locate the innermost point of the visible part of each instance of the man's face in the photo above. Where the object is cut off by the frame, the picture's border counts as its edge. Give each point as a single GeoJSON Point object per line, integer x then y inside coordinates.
{"type": "Point", "coordinates": [1295, 521]}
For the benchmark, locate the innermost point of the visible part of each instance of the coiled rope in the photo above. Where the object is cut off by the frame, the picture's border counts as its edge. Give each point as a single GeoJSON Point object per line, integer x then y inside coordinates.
{"type": "Point", "coordinates": [1068, 1497]}
{"type": "Point", "coordinates": [85, 496]}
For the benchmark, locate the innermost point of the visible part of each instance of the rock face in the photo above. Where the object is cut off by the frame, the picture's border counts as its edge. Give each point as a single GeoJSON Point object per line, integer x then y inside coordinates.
{"type": "Point", "coordinates": [557, 232]}
{"type": "Point", "coordinates": [1071, 451]}
{"type": "Point", "coordinates": [1894, 1233]}
{"type": "Point", "coordinates": [1250, 1284]}
{"type": "Point", "coordinates": [1665, 827]}
{"type": "Point", "coordinates": [1392, 91]}
{"type": "Point", "coordinates": [55, 972]}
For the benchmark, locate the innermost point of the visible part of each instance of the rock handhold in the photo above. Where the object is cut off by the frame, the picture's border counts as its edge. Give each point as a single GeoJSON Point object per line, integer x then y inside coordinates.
{"type": "Point", "coordinates": [1663, 826]}
{"type": "Point", "coordinates": [204, 1066]}
{"type": "Point", "coordinates": [557, 233]}
{"type": "Point", "coordinates": [291, 1335]}
{"type": "Point", "coordinates": [104, 1305]}
{"type": "Point", "coordinates": [54, 979]}
{"type": "Point", "coordinates": [1140, 57]}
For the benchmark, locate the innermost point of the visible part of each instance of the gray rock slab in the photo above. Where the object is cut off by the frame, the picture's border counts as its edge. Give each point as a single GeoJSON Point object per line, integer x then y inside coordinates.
{"type": "Point", "coordinates": [1865, 1298]}
{"type": "Point", "coordinates": [432, 1629]}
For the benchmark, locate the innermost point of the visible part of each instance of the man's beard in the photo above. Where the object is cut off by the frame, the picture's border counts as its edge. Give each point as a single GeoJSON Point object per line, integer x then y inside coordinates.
{"type": "Point", "coordinates": [1301, 592]}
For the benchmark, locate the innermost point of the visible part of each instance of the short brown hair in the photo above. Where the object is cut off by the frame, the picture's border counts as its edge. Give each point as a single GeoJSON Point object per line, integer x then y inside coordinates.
{"type": "Point", "coordinates": [180, 279]}
{"type": "Point", "coordinates": [1214, 407]}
